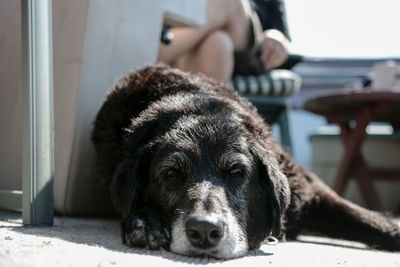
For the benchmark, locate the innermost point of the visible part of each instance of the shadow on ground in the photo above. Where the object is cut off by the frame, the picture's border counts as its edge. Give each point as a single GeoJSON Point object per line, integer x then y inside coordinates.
{"type": "Point", "coordinates": [97, 232]}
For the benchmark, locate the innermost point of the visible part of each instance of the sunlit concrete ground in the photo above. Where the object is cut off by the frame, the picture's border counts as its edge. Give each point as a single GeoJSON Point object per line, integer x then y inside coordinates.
{"type": "Point", "coordinates": [96, 242]}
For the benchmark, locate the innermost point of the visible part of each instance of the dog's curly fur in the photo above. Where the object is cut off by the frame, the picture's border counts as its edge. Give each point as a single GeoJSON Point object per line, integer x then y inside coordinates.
{"type": "Point", "coordinates": [175, 146]}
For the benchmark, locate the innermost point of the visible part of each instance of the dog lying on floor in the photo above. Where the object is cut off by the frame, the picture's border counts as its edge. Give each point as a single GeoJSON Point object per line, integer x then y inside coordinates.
{"type": "Point", "coordinates": [193, 168]}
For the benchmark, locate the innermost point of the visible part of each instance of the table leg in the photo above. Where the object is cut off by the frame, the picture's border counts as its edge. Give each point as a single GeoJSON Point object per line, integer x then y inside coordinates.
{"type": "Point", "coordinates": [395, 125]}
{"type": "Point", "coordinates": [352, 141]}
{"type": "Point", "coordinates": [364, 179]}
{"type": "Point", "coordinates": [342, 176]}
{"type": "Point", "coordinates": [353, 163]}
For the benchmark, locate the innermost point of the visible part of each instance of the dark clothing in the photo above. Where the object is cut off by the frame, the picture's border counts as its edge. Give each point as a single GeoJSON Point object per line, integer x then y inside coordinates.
{"type": "Point", "coordinates": [271, 14]}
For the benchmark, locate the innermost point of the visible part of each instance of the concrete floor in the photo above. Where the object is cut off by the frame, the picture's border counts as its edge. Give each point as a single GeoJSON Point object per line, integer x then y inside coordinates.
{"type": "Point", "coordinates": [96, 242]}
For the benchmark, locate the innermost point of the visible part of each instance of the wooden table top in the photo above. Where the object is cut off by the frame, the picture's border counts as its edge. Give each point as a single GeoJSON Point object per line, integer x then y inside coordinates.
{"type": "Point", "coordinates": [349, 103]}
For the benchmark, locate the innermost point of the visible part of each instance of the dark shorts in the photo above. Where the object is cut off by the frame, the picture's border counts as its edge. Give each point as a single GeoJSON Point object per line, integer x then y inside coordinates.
{"type": "Point", "coordinates": [261, 11]}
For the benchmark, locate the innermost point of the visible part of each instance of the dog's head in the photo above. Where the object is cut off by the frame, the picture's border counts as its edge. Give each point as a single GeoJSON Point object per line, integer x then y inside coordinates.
{"type": "Point", "coordinates": [211, 170]}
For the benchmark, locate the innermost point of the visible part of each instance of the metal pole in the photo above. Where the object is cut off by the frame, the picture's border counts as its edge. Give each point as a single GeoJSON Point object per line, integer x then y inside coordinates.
{"type": "Point", "coordinates": [37, 86]}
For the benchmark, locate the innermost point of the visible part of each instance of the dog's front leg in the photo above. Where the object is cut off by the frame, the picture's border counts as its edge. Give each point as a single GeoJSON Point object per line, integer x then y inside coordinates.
{"type": "Point", "coordinates": [146, 228]}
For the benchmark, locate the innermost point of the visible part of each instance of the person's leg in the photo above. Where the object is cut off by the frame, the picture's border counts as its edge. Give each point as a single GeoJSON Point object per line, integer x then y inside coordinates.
{"type": "Point", "coordinates": [238, 24]}
{"type": "Point", "coordinates": [228, 15]}
{"type": "Point", "coordinates": [213, 57]}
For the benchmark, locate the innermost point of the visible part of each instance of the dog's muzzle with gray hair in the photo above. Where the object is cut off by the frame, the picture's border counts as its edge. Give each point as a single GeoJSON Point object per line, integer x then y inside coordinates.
{"type": "Point", "coordinates": [209, 227]}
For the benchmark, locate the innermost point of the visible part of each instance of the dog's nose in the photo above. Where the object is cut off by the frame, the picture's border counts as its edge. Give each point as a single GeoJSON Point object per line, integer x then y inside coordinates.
{"type": "Point", "coordinates": [204, 232]}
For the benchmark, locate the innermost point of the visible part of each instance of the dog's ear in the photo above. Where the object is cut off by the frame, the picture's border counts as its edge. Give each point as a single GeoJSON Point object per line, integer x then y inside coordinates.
{"type": "Point", "coordinates": [131, 175]}
{"type": "Point", "coordinates": [130, 179]}
{"type": "Point", "coordinates": [272, 186]}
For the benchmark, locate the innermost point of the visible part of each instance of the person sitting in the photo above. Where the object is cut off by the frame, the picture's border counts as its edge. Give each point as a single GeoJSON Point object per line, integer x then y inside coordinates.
{"type": "Point", "coordinates": [241, 36]}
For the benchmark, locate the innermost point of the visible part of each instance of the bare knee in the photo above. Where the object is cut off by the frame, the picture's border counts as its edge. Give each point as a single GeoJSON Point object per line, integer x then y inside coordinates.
{"type": "Point", "coordinates": [215, 56]}
{"type": "Point", "coordinates": [239, 26]}
{"type": "Point", "coordinates": [218, 43]}
{"type": "Point", "coordinates": [232, 16]}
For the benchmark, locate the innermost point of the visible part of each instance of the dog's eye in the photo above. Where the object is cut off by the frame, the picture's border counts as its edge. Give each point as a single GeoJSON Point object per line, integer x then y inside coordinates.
{"type": "Point", "coordinates": [236, 170]}
{"type": "Point", "coordinates": [172, 173]}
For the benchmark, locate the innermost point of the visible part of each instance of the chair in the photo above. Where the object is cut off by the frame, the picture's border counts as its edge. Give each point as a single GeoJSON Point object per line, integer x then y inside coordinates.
{"type": "Point", "coordinates": [270, 93]}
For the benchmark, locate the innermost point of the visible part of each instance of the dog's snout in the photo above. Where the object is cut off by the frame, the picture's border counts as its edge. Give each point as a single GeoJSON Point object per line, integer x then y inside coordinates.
{"type": "Point", "coordinates": [204, 232]}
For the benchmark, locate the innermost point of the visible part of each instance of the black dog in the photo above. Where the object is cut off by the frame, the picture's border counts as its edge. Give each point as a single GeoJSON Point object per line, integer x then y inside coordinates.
{"type": "Point", "coordinates": [193, 168]}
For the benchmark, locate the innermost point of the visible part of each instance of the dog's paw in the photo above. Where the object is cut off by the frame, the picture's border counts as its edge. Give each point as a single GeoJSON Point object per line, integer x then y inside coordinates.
{"type": "Point", "coordinates": [145, 232]}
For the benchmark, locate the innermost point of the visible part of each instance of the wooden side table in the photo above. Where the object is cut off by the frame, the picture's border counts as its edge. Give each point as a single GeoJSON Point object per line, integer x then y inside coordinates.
{"type": "Point", "coordinates": [353, 112]}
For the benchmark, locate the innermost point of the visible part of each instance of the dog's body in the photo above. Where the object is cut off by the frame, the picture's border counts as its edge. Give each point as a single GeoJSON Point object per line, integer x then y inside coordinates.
{"type": "Point", "coordinates": [193, 169]}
